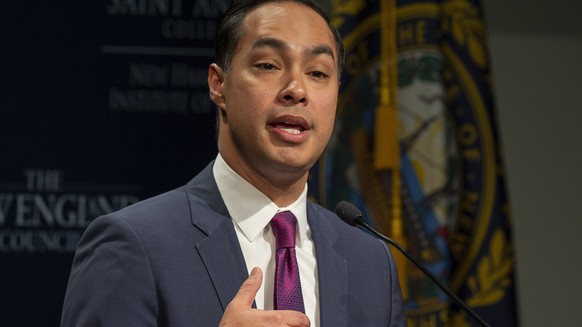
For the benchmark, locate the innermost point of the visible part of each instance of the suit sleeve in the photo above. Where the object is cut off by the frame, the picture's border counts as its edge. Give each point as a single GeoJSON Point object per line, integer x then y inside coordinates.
{"type": "Point", "coordinates": [111, 282]}
{"type": "Point", "coordinates": [397, 314]}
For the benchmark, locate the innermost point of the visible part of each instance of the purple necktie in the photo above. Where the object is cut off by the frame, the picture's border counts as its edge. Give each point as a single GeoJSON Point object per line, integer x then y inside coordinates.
{"type": "Point", "coordinates": [288, 294]}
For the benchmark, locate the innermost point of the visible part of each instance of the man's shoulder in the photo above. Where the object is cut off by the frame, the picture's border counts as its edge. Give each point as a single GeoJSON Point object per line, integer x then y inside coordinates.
{"type": "Point", "coordinates": [146, 216]}
{"type": "Point", "coordinates": [197, 193]}
{"type": "Point", "coordinates": [161, 202]}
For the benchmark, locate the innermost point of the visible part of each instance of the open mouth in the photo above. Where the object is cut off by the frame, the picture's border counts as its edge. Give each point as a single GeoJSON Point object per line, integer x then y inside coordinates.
{"type": "Point", "coordinates": [289, 128]}
{"type": "Point", "coordinates": [290, 124]}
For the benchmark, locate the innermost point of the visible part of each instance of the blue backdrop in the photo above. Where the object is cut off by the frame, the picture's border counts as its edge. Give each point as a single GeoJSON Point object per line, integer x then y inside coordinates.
{"type": "Point", "coordinates": [103, 103]}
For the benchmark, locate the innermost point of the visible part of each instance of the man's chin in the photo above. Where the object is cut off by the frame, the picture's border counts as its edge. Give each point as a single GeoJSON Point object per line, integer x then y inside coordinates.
{"type": "Point", "coordinates": [291, 165]}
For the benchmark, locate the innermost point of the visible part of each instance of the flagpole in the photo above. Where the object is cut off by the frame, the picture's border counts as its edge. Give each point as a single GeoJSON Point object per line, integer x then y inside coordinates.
{"type": "Point", "coordinates": [386, 145]}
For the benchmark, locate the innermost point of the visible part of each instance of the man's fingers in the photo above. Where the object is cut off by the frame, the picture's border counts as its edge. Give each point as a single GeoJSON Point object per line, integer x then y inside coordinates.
{"type": "Point", "coordinates": [294, 318]}
{"type": "Point", "coordinates": [248, 290]}
{"type": "Point", "coordinates": [239, 311]}
{"type": "Point", "coordinates": [286, 318]}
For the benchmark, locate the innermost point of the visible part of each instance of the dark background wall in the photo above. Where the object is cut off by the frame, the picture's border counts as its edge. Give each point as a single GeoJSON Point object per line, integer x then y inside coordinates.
{"type": "Point", "coordinates": [103, 103]}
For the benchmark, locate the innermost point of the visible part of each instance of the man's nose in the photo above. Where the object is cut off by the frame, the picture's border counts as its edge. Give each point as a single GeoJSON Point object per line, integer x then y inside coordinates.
{"type": "Point", "coordinates": [293, 93]}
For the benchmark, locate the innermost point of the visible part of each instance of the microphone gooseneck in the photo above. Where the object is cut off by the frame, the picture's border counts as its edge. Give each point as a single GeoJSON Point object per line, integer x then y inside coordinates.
{"type": "Point", "coordinates": [354, 217]}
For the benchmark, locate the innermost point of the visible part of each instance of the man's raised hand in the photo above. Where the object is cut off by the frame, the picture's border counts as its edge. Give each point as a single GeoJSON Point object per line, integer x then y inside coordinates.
{"type": "Point", "coordinates": [239, 311]}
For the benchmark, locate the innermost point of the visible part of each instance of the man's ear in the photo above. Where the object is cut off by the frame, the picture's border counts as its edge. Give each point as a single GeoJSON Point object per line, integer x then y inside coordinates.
{"type": "Point", "coordinates": [215, 81]}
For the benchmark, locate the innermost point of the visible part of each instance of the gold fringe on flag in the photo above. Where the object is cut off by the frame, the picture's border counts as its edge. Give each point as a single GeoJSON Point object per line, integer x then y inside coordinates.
{"type": "Point", "coordinates": [386, 145]}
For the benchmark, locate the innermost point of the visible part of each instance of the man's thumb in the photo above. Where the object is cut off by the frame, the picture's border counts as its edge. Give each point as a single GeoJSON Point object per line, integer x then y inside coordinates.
{"type": "Point", "coordinates": [248, 290]}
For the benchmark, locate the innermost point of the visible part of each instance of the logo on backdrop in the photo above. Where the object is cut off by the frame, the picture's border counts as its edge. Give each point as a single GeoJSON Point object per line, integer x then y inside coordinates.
{"type": "Point", "coordinates": [182, 20]}
{"type": "Point", "coordinates": [43, 214]}
{"type": "Point", "coordinates": [447, 153]}
{"type": "Point", "coordinates": [169, 77]}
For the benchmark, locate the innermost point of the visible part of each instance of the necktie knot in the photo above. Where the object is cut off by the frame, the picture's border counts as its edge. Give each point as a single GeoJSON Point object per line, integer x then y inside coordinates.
{"type": "Point", "coordinates": [283, 225]}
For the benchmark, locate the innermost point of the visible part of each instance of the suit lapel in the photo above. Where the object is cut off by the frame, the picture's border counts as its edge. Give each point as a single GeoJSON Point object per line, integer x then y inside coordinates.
{"type": "Point", "coordinates": [222, 257]}
{"type": "Point", "coordinates": [332, 271]}
{"type": "Point", "coordinates": [220, 251]}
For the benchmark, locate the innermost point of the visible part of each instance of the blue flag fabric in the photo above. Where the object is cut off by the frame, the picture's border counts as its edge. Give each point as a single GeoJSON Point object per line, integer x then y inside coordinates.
{"type": "Point", "coordinates": [454, 205]}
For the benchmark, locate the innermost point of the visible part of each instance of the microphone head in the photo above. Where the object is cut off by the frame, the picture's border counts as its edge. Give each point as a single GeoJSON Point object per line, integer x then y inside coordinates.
{"type": "Point", "coordinates": [348, 213]}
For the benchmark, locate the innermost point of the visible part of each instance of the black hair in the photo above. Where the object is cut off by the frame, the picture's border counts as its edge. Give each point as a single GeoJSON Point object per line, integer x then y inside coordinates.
{"type": "Point", "coordinates": [230, 30]}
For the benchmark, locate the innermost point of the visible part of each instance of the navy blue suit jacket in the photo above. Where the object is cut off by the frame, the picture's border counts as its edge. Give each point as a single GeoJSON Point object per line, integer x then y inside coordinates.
{"type": "Point", "coordinates": [175, 260]}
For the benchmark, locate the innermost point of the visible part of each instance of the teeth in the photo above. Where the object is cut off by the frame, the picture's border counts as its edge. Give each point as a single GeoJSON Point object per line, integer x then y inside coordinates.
{"type": "Point", "coordinates": [291, 130]}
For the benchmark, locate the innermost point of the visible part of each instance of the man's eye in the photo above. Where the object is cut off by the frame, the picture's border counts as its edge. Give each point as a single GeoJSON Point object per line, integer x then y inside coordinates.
{"type": "Point", "coordinates": [266, 66]}
{"type": "Point", "coordinates": [318, 74]}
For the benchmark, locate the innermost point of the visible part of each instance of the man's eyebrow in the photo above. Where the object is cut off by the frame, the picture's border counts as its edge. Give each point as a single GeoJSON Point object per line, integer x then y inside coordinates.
{"type": "Point", "coordinates": [270, 42]}
{"type": "Point", "coordinates": [281, 45]}
{"type": "Point", "coordinates": [319, 50]}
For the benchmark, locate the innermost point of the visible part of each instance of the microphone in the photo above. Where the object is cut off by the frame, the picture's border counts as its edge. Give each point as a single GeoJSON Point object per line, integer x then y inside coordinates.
{"type": "Point", "coordinates": [353, 217]}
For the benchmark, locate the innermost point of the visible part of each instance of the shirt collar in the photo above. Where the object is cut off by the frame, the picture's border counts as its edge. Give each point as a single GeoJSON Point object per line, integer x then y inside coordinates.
{"type": "Point", "coordinates": [250, 209]}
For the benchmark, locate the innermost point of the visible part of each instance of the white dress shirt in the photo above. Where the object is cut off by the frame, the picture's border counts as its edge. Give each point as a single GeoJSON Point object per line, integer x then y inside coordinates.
{"type": "Point", "coordinates": [251, 212]}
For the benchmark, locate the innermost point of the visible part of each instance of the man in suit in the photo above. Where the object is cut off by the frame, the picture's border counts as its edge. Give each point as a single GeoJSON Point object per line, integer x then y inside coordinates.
{"type": "Point", "coordinates": [183, 258]}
